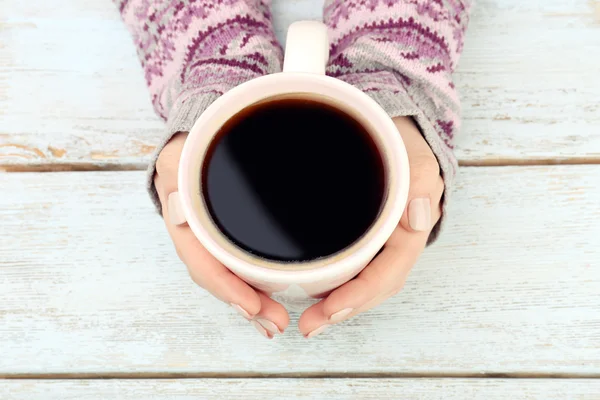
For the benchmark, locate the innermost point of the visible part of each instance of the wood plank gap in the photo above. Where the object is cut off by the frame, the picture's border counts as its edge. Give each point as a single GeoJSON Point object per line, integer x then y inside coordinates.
{"type": "Point", "coordinates": [305, 375]}
{"type": "Point", "coordinates": [509, 162]}
{"type": "Point", "coordinates": [89, 167]}
{"type": "Point", "coordinates": [73, 167]}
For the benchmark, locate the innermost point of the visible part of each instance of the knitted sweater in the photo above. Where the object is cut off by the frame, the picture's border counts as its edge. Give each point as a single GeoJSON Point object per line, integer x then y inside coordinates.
{"type": "Point", "coordinates": [400, 52]}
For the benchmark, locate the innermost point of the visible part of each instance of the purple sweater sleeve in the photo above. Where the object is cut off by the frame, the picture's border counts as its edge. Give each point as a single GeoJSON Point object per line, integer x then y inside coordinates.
{"type": "Point", "coordinates": [192, 51]}
{"type": "Point", "coordinates": [403, 53]}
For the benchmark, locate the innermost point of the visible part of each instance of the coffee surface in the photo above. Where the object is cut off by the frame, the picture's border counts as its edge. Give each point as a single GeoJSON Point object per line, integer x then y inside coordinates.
{"type": "Point", "coordinates": [293, 180]}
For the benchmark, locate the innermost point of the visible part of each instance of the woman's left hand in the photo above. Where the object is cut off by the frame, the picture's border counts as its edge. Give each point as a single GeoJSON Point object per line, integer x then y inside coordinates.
{"type": "Point", "coordinates": [385, 275]}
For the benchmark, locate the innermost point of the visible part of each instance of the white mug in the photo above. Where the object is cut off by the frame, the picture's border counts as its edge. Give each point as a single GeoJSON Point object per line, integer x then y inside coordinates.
{"type": "Point", "coordinates": [303, 76]}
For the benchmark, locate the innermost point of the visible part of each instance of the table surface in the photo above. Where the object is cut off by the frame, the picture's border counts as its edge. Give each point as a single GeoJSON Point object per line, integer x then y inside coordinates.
{"type": "Point", "coordinates": [505, 306]}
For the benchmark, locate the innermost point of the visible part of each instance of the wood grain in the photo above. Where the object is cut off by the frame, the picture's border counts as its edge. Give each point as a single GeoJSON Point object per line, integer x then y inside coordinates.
{"type": "Point", "coordinates": [338, 389]}
{"type": "Point", "coordinates": [529, 91]}
{"type": "Point", "coordinates": [90, 283]}
{"type": "Point", "coordinates": [72, 94]}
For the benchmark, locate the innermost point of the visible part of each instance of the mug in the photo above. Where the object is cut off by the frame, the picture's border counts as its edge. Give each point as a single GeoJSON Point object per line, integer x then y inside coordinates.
{"type": "Point", "coordinates": [304, 77]}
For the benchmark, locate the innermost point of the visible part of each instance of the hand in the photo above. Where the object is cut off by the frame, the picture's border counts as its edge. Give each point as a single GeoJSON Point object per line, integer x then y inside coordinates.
{"type": "Point", "coordinates": [267, 316]}
{"type": "Point", "coordinates": [385, 275]}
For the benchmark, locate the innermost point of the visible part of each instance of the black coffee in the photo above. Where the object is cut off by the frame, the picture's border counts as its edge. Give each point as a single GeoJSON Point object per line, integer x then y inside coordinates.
{"type": "Point", "coordinates": [293, 180]}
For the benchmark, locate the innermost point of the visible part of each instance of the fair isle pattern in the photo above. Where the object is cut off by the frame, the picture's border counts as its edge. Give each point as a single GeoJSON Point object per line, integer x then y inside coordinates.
{"type": "Point", "coordinates": [195, 47]}
{"type": "Point", "coordinates": [403, 54]}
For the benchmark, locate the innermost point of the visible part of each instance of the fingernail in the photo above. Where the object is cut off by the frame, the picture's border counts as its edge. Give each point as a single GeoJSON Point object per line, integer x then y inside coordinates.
{"type": "Point", "coordinates": [176, 214]}
{"type": "Point", "coordinates": [268, 325]}
{"type": "Point", "coordinates": [419, 214]}
{"type": "Point", "coordinates": [241, 311]}
{"type": "Point", "coordinates": [317, 331]}
{"type": "Point", "coordinates": [340, 315]}
{"type": "Point", "coordinates": [261, 329]}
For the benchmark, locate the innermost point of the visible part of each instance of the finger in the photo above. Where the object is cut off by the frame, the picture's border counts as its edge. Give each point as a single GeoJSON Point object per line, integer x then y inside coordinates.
{"type": "Point", "coordinates": [375, 302]}
{"type": "Point", "coordinates": [425, 191]}
{"type": "Point", "coordinates": [272, 318]}
{"type": "Point", "coordinates": [386, 274]}
{"type": "Point", "coordinates": [167, 165]}
{"type": "Point", "coordinates": [348, 313]}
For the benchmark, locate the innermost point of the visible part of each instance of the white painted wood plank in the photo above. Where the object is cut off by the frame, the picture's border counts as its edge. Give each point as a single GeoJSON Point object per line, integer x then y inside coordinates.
{"type": "Point", "coordinates": [89, 282]}
{"type": "Point", "coordinates": [528, 81]}
{"type": "Point", "coordinates": [338, 389]}
{"type": "Point", "coordinates": [72, 92]}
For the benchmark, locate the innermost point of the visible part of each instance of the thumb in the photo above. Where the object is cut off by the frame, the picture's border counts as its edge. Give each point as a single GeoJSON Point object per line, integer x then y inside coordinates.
{"type": "Point", "coordinates": [426, 184]}
{"type": "Point", "coordinates": [165, 178]}
{"type": "Point", "coordinates": [167, 163]}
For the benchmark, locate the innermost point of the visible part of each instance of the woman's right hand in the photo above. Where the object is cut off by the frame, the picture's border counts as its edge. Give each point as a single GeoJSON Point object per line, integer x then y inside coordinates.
{"type": "Point", "coordinates": [267, 316]}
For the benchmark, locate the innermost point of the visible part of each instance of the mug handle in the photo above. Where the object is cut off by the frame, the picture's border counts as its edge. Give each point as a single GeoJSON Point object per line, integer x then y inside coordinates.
{"type": "Point", "coordinates": [307, 48]}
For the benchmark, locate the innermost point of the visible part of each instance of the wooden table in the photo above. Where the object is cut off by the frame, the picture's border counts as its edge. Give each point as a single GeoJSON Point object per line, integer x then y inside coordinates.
{"type": "Point", "coordinates": [505, 306]}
